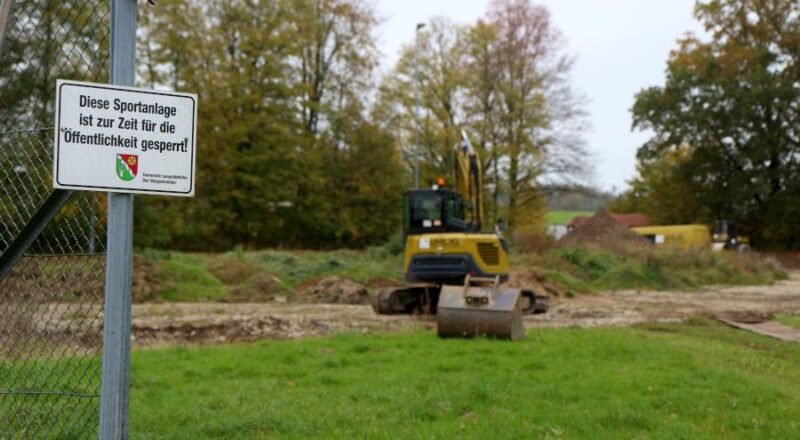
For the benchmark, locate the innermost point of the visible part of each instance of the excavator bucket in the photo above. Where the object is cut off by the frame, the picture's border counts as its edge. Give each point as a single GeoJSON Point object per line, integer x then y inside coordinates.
{"type": "Point", "coordinates": [479, 308]}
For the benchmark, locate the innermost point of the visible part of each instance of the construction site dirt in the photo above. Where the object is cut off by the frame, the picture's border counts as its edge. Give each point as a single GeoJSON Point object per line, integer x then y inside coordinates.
{"type": "Point", "coordinates": [217, 323]}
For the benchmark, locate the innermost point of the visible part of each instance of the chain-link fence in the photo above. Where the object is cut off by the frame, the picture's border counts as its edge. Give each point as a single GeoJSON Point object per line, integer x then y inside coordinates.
{"type": "Point", "coordinates": [51, 301]}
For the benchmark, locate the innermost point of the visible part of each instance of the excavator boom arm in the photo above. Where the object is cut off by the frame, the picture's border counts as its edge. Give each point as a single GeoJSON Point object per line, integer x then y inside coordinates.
{"type": "Point", "coordinates": [469, 182]}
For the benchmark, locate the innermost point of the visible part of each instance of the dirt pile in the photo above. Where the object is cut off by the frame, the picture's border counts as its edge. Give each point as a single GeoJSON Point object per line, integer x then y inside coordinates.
{"type": "Point", "coordinates": [231, 271]}
{"type": "Point", "coordinates": [332, 290]}
{"type": "Point", "coordinates": [145, 283]}
{"type": "Point", "coordinates": [602, 231]}
{"type": "Point", "coordinates": [245, 282]}
{"type": "Point", "coordinates": [531, 278]}
{"type": "Point", "coordinates": [53, 278]}
{"type": "Point", "coordinates": [744, 316]}
{"type": "Point", "coordinates": [258, 288]}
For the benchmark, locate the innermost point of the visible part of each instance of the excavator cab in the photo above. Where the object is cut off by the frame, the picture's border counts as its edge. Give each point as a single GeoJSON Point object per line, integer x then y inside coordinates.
{"type": "Point", "coordinates": [429, 211]}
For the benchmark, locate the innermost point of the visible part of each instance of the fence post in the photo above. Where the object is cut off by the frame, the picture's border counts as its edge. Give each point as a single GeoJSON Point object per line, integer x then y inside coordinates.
{"type": "Point", "coordinates": [117, 316]}
{"type": "Point", "coordinates": [5, 14]}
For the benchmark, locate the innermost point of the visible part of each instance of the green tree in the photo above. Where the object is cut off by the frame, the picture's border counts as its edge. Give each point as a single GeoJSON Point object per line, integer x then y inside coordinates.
{"type": "Point", "coordinates": [236, 55]}
{"type": "Point", "coordinates": [45, 41]}
{"type": "Point", "coordinates": [337, 57]}
{"type": "Point", "coordinates": [483, 106]}
{"type": "Point", "coordinates": [505, 81]}
{"type": "Point", "coordinates": [735, 99]}
{"type": "Point", "coordinates": [280, 86]}
{"type": "Point", "coordinates": [537, 107]}
{"type": "Point", "coordinates": [663, 190]}
{"type": "Point", "coordinates": [436, 58]}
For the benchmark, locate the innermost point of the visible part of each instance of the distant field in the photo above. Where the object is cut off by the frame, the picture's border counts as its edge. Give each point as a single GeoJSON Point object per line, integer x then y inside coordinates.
{"type": "Point", "coordinates": [699, 380]}
{"type": "Point", "coordinates": [564, 217]}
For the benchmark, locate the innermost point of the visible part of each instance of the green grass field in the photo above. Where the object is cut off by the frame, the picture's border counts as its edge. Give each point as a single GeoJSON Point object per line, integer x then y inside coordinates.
{"type": "Point", "coordinates": [790, 320]}
{"type": "Point", "coordinates": [564, 217]}
{"type": "Point", "coordinates": [691, 381]}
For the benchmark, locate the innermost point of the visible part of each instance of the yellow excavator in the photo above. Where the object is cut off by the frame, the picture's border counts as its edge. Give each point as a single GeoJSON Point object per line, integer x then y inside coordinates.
{"type": "Point", "coordinates": [455, 270]}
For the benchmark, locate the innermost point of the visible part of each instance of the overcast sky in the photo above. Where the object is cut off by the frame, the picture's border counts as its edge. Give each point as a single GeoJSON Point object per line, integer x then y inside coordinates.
{"type": "Point", "coordinates": [621, 46]}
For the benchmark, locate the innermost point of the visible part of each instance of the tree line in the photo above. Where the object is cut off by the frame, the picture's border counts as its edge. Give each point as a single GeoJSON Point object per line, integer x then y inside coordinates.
{"type": "Point", "coordinates": [302, 140]}
{"type": "Point", "coordinates": [301, 144]}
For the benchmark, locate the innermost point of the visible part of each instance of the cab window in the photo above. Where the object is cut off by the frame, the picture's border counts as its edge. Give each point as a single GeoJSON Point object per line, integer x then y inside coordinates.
{"type": "Point", "coordinates": [423, 211]}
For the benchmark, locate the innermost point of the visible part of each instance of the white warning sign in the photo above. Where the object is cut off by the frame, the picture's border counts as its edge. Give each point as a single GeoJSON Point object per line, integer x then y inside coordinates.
{"type": "Point", "coordinates": [124, 139]}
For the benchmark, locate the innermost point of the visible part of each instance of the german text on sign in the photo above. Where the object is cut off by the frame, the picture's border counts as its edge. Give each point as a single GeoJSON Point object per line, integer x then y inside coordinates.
{"type": "Point", "coordinates": [124, 139]}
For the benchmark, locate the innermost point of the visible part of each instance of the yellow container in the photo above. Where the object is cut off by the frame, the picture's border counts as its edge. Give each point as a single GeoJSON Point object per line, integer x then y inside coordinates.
{"type": "Point", "coordinates": [677, 236]}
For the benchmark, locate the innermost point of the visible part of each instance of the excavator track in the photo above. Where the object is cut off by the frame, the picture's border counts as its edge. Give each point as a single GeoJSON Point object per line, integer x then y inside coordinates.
{"type": "Point", "coordinates": [424, 298]}
{"type": "Point", "coordinates": [533, 304]}
{"type": "Point", "coordinates": [415, 298]}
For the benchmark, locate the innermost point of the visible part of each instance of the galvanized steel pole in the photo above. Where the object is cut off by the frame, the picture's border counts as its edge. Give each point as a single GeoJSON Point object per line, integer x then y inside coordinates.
{"type": "Point", "coordinates": [117, 316]}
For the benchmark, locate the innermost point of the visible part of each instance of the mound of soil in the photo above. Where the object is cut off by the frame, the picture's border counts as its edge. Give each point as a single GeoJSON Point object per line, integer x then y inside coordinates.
{"type": "Point", "coordinates": [745, 316]}
{"type": "Point", "coordinates": [533, 279]}
{"type": "Point", "coordinates": [602, 231]}
{"type": "Point", "coordinates": [247, 284]}
{"type": "Point", "coordinates": [332, 290]}
{"type": "Point", "coordinates": [231, 271]}
{"type": "Point", "coordinates": [383, 282]}
{"type": "Point", "coordinates": [145, 282]}
{"type": "Point", "coordinates": [257, 288]}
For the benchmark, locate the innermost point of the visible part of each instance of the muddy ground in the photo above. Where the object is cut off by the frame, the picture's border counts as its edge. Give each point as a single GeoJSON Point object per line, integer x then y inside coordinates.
{"type": "Point", "coordinates": [158, 324]}
{"type": "Point", "coordinates": [214, 323]}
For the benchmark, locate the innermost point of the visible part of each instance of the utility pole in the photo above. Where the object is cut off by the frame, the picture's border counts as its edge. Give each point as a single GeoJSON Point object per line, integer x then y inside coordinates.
{"type": "Point", "coordinates": [416, 99]}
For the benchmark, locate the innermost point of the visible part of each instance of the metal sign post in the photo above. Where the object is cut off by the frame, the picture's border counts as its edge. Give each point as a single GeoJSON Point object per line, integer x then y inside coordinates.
{"type": "Point", "coordinates": [117, 318]}
{"type": "Point", "coordinates": [124, 140]}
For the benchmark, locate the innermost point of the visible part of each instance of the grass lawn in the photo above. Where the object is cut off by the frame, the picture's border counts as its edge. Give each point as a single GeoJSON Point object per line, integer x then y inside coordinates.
{"type": "Point", "coordinates": [564, 217]}
{"type": "Point", "coordinates": [790, 320]}
{"type": "Point", "coordinates": [689, 381]}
